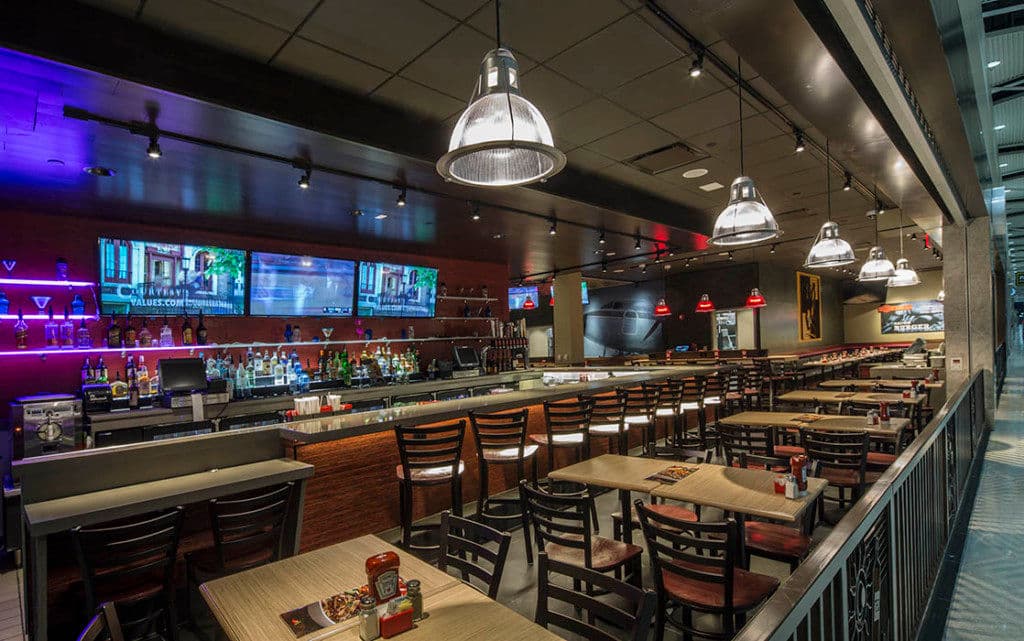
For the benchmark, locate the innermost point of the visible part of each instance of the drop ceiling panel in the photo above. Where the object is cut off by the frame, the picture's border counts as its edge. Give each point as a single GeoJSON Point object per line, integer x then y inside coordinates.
{"type": "Point", "coordinates": [700, 116]}
{"type": "Point", "coordinates": [632, 141]}
{"type": "Point", "coordinates": [664, 89]}
{"type": "Point", "coordinates": [590, 121]}
{"type": "Point", "coordinates": [618, 54]}
{"type": "Point", "coordinates": [284, 14]}
{"type": "Point", "coordinates": [724, 141]}
{"type": "Point", "coordinates": [460, 9]}
{"type": "Point", "coordinates": [306, 58]}
{"type": "Point", "coordinates": [717, 171]}
{"type": "Point", "coordinates": [418, 99]}
{"type": "Point", "coordinates": [541, 28]}
{"type": "Point", "coordinates": [388, 34]}
{"type": "Point", "coordinates": [552, 93]}
{"type": "Point", "coordinates": [583, 158]}
{"type": "Point", "coordinates": [215, 25]}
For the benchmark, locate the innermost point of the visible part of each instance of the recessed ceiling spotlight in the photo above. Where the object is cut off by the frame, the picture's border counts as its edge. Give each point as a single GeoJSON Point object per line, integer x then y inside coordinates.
{"type": "Point", "coordinates": [711, 186]}
{"type": "Point", "coordinates": [153, 150]}
{"type": "Point", "coordinates": [98, 170]}
{"type": "Point", "coordinates": [999, 127]}
{"type": "Point", "coordinates": [799, 146]}
{"type": "Point", "coordinates": [304, 179]}
{"type": "Point", "coordinates": [695, 173]}
{"type": "Point", "coordinates": [668, 266]}
{"type": "Point", "coordinates": [697, 67]}
{"type": "Point", "coordinates": [994, 63]}
{"type": "Point", "coordinates": [380, 216]}
{"type": "Point", "coordinates": [400, 201]}
{"type": "Point", "coordinates": [600, 239]}
{"type": "Point", "coordinates": [618, 271]}
{"type": "Point", "coordinates": [553, 229]}
{"type": "Point", "coordinates": [357, 212]}
{"type": "Point", "coordinates": [848, 183]}
{"type": "Point", "coordinates": [496, 236]}
{"type": "Point", "coordinates": [474, 211]}
{"type": "Point", "coordinates": [609, 253]}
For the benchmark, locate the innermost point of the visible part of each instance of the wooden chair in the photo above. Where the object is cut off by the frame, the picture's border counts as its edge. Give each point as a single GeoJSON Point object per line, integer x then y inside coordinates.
{"type": "Point", "coordinates": [462, 538]}
{"type": "Point", "coordinates": [632, 610]}
{"type": "Point", "coordinates": [562, 527]}
{"type": "Point", "coordinates": [608, 419]}
{"type": "Point", "coordinates": [501, 441]}
{"type": "Point", "coordinates": [130, 564]}
{"type": "Point", "coordinates": [668, 409]}
{"type": "Point", "coordinates": [429, 456]}
{"type": "Point", "coordinates": [751, 439]}
{"type": "Point", "coordinates": [670, 454]}
{"type": "Point", "coordinates": [841, 459]}
{"type": "Point", "coordinates": [734, 383]}
{"type": "Point", "coordinates": [697, 567]}
{"type": "Point", "coordinates": [773, 540]}
{"type": "Point", "coordinates": [104, 626]}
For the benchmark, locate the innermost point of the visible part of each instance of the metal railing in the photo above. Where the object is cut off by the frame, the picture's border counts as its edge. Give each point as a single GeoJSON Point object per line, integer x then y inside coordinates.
{"type": "Point", "coordinates": [872, 575]}
{"type": "Point", "coordinates": [1000, 368]}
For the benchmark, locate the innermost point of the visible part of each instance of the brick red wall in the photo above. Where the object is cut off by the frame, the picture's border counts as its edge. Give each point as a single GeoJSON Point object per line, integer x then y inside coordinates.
{"type": "Point", "coordinates": [36, 240]}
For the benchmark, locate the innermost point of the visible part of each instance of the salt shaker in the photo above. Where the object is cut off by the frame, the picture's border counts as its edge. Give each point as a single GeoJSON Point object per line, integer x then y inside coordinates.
{"type": "Point", "coordinates": [369, 623]}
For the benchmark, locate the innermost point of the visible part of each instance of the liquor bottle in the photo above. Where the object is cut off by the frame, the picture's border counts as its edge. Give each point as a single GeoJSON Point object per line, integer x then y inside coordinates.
{"type": "Point", "coordinates": [288, 333]}
{"type": "Point", "coordinates": [257, 364]}
{"type": "Point", "coordinates": [142, 374]}
{"type": "Point", "coordinates": [145, 336]}
{"type": "Point", "coordinates": [241, 378]}
{"type": "Point", "coordinates": [187, 337]}
{"type": "Point", "coordinates": [78, 306]}
{"type": "Point", "coordinates": [166, 335]}
{"type": "Point", "coordinates": [130, 337]}
{"type": "Point", "coordinates": [250, 375]}
{"type": "Point", "coordinates": [118, 388]}
{"type": "Point", "coordinates": [279, 378]}
{"type": "Point", "coordinates": [296, 334]}
{"type": "Point", "coordinates": [201, 330]}
{"type": "Point", "coordinates": [84, 338]}
{"type": "Point", "coordinates": [67, 330]}
{"type": "Point", "coordinates": [113, 333]}
{"type": "Point", "coordinates": [133, 393]}
{"type": "Point", "coordinates": [101, 371]}
{"type": "Point", "coordinates": [51, 332]}
{"type": "Point", "coordinates": [20, 332]}
{"type": "Point", "coordinates": [129, 368]}
{"type": "Point", "coordinates": [87, 372]}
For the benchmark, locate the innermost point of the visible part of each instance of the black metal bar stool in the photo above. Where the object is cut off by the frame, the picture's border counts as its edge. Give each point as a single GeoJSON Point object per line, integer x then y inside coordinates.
{"type": "Point", "coordinates": [608, 419]}
{"type": "Point", "coordinates": [641, 405]}
{"type": "Point", "coordinates": [691, 401]}
{"type": "Point", "coordinates": [501, 440]}
{"type": "Point", "coordinates": [668, 408]}
{"type": "Point", "coordinates": [430, 456]}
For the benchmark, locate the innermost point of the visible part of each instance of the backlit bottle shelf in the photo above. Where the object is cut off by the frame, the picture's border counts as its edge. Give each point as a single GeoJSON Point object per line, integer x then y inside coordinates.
{"type": "Point", "coordinates": [56, 317]}
{"type": "Point", "coordinates": [72, 351]}
{"type": "Point", "coordinates": [476, 299]}
{"type": "Point", "coordinates": [482, 318]}
{"type": "Point", "coordinates": [36, 282]}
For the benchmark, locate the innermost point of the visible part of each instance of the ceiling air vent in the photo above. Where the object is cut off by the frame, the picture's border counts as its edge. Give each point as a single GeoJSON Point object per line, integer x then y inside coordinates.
{"type": "Point", "coordinates": [666, 158]}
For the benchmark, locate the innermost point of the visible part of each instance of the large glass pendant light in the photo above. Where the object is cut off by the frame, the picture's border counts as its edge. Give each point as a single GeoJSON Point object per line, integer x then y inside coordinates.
{"type": "Point", "coordinates": [904, 276]}
{"type": "Point", "coordinates": [877, 266]}
{"type": "Point", "coordinates": [829, 250]}
{"type": "Point", "coordinates": [501, 139]}
{"type": "Point", "coordinates": [746, 219]}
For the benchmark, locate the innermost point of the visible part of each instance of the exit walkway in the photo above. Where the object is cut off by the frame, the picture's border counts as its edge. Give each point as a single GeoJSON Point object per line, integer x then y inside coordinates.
{"type": "Point", "coordinates": [989, 595]}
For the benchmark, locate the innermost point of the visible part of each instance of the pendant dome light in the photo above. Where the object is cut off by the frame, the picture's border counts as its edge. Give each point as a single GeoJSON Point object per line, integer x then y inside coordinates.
{"type": "Point", "coordinates": [942, 296]}
{"type": "Point", "coordinates": [904, 276]}
{"type": "Point", "coordinates": [829, 250]}
{"type": "Point", "coordinates": [529, 304]}
{"type": "Point", "coordinates": [756, 299]}
{"type": "Point", "coordinates": [662, 309]}
{"type": "Point", "coordinates": [501, 139]}
{"type": "Point", "coordinates": [705, 304]}
{"type": "Point", "coordinates": [746, 219]}
{"type": "Point", "coordinates": [877, 266]}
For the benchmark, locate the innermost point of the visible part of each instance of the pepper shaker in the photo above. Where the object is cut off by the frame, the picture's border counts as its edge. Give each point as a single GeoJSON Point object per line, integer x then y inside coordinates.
{"type": "Point", "coordinates": [416, 596]}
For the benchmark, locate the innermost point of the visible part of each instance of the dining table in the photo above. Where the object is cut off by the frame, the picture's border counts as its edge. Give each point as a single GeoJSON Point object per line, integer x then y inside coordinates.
{"type": "Point", "coordinates": [831, 422]}
{"type": "Point", "coordinates": [249, 605]}
{"type": "Point", "coordinates": [872, 383]}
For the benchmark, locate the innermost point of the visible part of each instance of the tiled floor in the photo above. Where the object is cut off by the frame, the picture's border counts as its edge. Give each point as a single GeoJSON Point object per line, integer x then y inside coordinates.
{"type": "Point", "coordinates": [10, 606]}
{"type": "Point", "coordinates": [988, 600]}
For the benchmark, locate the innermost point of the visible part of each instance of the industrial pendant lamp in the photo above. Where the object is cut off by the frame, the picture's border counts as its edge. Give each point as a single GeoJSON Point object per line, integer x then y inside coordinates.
{"type": "Point", "coordinates": [829, 250]}
{"type": "Point", "coordinates": [942, 296]}
{"type": "Point", "coordinates": [529, 304]}
{"type": "Point", "coordinates": [877, 266]}
{"type": "Point", "coordinates": [905, 276]}
{"type": "Point", "coordinates": [501, 139]}
{"type": "Point", "coordinates": [756, 299]}
{"type": "Point", "coordinates": [746, 219]}
{"type": "Point", "coordinates": [662, 309]}
{"type": "Point", "coordinates": [705, 304]}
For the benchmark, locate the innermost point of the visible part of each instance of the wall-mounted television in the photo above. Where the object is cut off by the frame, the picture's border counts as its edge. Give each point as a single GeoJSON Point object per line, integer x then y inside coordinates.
{"type": "Point", "coordinates": [583, 292]}
{"type": "Point", "coordinates": [288, 285]}
{"type": "Point", "coordinates": [518, 295]}
{"type": "Point", "coordinates": [155, 279]}
{"type": "Point", "coordinates": [396, 291]}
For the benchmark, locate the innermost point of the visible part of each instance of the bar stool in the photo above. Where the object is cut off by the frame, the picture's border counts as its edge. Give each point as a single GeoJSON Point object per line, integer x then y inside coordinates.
{"type": "Point", "coordinates": [130, 563]}
{"type": "Point", "coordinates": [734, 382]}
{"type": "Point", "coordinates": [670, 394]}
{"type": "Point", "coordinates": [691, 401]}
{"type": "Point", "coordinates": [501, 440]}
{"type": "Point", "coordinates": [430, 456]}
{"type": "Point", "coordinates": [641, 405]}
{"type": "Point", "coordinates": [608, 419]}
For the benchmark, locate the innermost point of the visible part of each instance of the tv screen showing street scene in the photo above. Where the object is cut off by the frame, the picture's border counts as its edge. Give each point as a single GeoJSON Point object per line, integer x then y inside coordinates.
{"type": "Point", "coordinates": [517, 297]}
{"type": "Point", "coordinates": [154, 279]}
{"type": "Point", "coordinates": [396, 291]}
{"type": "Point", "coordinates": [288, 285]}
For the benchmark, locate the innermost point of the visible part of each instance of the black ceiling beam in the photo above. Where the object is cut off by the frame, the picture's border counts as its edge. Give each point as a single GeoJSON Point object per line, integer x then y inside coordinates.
{"type": "Point", "coordinates": [1005, 91]}
{"type": "Point", "coordinates": [1001, 16]}
{"type": "Point", "coordinates": [1011, 149]}
{"type": "Point", "coordinates": [1013, 175]}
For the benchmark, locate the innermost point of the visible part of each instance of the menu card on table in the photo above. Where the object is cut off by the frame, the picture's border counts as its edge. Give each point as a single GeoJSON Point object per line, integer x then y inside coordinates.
{"type": "Point", "coordinates": [329, 611]}
{"type": "Point", "coordinates": [672, 474]}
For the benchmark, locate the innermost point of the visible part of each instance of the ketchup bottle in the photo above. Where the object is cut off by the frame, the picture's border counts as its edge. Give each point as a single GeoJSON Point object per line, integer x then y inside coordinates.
{"type": "Point", "coordinates": [382, 576]}
{"type": "Point", "coordinates": [798, 467]}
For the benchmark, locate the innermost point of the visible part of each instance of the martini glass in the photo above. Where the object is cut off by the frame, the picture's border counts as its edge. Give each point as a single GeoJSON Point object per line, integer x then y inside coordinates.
{"type": "Point", "coordinates": [327, 332]}
{"type": "Point", "coordinates": [359, 329]}
{"type": "Point", "coordinates": [41, 302]}
{"type": "Point", "coordinates": [9, 266]}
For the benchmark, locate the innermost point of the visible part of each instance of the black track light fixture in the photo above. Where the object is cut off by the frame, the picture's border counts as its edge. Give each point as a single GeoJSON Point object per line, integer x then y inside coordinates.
{"type": "Point", "coordinates": [153, 150]}
{"type": "Point", "coordinates": [697, 68]}
{"type": "Point", "coordinates": [848, 183]}
{"type": "Point", "coordinates": [604, 266]}
{"type": "Point", "coordinates": [772, 250]}
{"type": "Point", "coordinates": [304, 178]}
{"type": "Point", "coordinates": [643, 268]}
{"type": "Point", "coordinates": [474, 211]}
{"type": "Point", "coordinates": [731, 257]}
{"type": "Point", "coordinates": [400, 201]}
{"type": "Point", "coordinates": [553, 229]}
{"type": "Point", "coordinates": [800, 146]}
{"type": "Point", "coordinates": [600, 239]}
{"type": "Point", "coordinates": [637, 245]}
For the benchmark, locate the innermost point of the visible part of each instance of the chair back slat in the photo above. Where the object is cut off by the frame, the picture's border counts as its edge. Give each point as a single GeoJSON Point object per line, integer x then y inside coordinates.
{"type": "Point", "coordinates": [746, 439]}
{"type": "Point", "coordinates": [562, 519]}
{"type": "Point", "coordinates": [630, 610]}
{"type": "Point", "coordinates": [567, 417]}
{"type": "Point", "coordinates": [640, 401]}
{"type": "Point", "coordinates": [837, 450]}
{"type": "Point", "coordinates": [677, 453]}
{"type": "Point", "coordinates": [438, 446]}
{"type": "Point", "coordinates": [500, 431]}
{"type": "Point", "coordinates": [465, 542]}
{"type": "Point", "coordinates": [250, 523]}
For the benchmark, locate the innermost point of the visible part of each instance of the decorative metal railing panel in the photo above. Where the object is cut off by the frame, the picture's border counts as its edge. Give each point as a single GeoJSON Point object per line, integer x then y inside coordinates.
{"type": "Point", "coordinates": [870, 579]}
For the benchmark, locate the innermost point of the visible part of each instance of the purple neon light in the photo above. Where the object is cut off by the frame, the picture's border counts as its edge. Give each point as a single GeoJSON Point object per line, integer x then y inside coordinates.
{"type": "Point", "coordinates": [56, 317]}
{"type": "Point", "coordinates": [101, 350]}
{"type": "Point", "coordinates": [46, 283]}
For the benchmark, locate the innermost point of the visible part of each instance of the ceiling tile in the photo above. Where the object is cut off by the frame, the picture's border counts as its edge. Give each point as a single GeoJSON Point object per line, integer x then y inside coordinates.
{"type": "Point", "coordinates": [717, 170]}
{"type": "Point", "coordinates": [590, 121]}
{"type": "Point", "coordinates": [552, 93]}
{"type": "Point", "coordinates": [309, 59]}
{"type": "Point", "coordinates": [284, 14]}
{"type": "Point", "coordinates": [452, 65]}
{"type": "Point", "coordinates": [708, 113]}
{"type": "Point", "coordinates": [386, 34]}
{"type": "Point", "coordinates": [460, 9]}
{"type": "Point", "coordinates": [587, 160]}
{"type": "Point", "coordinates": [723, 142]}
{"type": "Point", "coordinates": [541, 28]}
{"type": "Point", "coordinates": [632, 141]}
{"type": "Point", "coordinates": [418, 99]}
{"type": "Point", "coordinates": [664, 89]}
{"type": "Point", "coordinates": [616, 55]}
{"type": "Point", "coordinates": [215, 25]}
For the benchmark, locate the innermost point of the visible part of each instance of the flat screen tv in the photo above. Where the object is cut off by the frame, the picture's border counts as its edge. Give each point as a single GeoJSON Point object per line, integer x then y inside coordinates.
{"type": "Point", "coordinates": [396, 291]}
{"type": "Point", "coordinates": [288, 285]}
{"type": "Point", "coordinates": [518, 295]}
{"type": "Point", "coordinates": [155, 279]}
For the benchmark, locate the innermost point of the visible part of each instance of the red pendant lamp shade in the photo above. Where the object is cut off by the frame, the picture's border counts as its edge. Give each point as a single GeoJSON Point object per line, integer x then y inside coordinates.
{"type": "Point", "coordinates": [662, 309]}
{"type": "Point", "coordinates": [705, 304]}
{"type": "Point", "coordinates": [529, 304]}
{"type": "Point", "coordinates": [756, 299]}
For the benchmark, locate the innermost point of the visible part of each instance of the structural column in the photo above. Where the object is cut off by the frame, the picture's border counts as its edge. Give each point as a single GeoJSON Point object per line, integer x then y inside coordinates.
{"type": "Point", "coordinates": [968, 283]}
{"type": "Point", "coordinates": [569, 318]}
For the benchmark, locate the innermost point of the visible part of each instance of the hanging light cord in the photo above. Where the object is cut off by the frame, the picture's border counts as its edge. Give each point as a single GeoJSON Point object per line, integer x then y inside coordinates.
{"type": "Point", "coordinates": [901, 233]}
{"type": "Point", "coordinates": [508, 92]}
{"type": "Point", "coordinates": [828, 183]}
{"type": "Point", "coordinates": [739, 100]}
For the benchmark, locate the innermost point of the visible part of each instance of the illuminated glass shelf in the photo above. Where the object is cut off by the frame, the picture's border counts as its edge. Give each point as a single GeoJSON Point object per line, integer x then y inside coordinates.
{"type": "Point", "coordinates": [36, 282]}
{"type": "Point", "coordinates": [483, 318]}
{"type": "Point", "coordinates": [71, 351]}
{"type": "Point", "coordinates": [477, 299]}
{"type": "Point", "coordinates": [56, 317]}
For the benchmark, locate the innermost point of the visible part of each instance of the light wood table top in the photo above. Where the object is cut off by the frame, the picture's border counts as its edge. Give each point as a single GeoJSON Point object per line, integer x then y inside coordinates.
{"type": "Point", "coordinates": [750, 492]}
{"type": "Point", "coordinates": [249, 605]}
{"type": "Point", "coordinates": [741, 490]}
{"type": "Point", "coordinates": [831, 396]}
{"type": "Point", "coordinates": [869, 383]}
{"type": "Point", "coordinates": [796, 420]}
